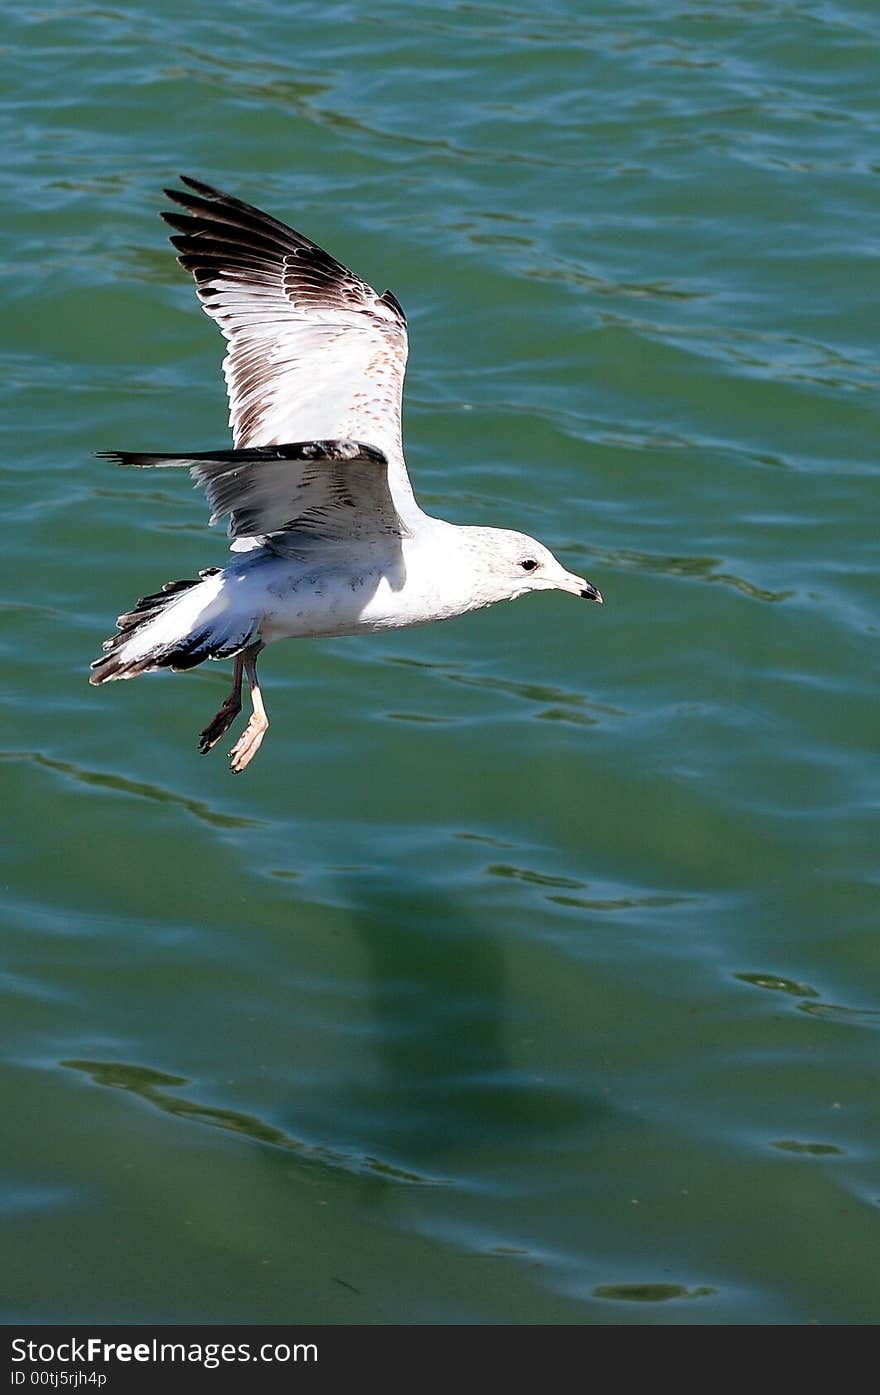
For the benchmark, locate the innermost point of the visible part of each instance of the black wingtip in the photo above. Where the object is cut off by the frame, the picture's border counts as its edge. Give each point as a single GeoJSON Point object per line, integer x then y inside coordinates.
{"type": "Point", "coordinates": [390, 299]}
{"type": "Point", "coordinates": [207, 191]}
{"type": "Point", "coordinates": [141, 459]}
{"type": "Point", "coordinates": [200, 186]}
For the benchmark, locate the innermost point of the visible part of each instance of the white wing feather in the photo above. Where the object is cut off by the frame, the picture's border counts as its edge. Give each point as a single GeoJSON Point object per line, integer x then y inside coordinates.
{"type": "Point", "coordinates": [314, 352]}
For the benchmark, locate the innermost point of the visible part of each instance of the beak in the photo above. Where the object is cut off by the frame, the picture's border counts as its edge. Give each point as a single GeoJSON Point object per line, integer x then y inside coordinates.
{"type": "Point", "coordinates": [578, 587]}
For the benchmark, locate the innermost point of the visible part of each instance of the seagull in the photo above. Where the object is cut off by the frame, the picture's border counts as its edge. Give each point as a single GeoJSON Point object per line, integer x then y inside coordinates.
{"type": "Point", "coordinates": [327, 536]}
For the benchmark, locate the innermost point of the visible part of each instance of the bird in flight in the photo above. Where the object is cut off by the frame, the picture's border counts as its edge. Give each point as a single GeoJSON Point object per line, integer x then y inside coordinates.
{"type": "Point", "coordinates": [327, 537]}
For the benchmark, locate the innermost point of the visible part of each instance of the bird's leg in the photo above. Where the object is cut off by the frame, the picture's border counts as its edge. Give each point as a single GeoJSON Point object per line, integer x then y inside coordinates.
{"type": "Point", "coordinates": [228, 712]}
{"type": "Point", "coordinates": [248, 743]}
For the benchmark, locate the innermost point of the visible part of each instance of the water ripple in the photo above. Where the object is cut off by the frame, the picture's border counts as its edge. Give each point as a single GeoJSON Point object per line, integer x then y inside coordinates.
{"type": "Point", "coordinates": [564, 705]}
{"type": "Point", "coordinates": [690, 568]}
{"type": "Point", "coordinates": [150, 1085]}
{"type": "Point", "coordinates": [138, 788]}
{"type": "Point", "coordinates": [651, 1293]}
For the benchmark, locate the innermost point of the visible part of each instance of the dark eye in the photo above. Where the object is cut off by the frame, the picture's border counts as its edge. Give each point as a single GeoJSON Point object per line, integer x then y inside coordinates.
{"type": "Point", "coordinates": [529, 564]}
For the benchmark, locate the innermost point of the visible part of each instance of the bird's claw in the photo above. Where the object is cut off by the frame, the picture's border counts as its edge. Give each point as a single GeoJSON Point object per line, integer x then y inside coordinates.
{"type": "Point", "coordinates": [247, 745]}
{"type": "Point", "coordinates": [218, 724]}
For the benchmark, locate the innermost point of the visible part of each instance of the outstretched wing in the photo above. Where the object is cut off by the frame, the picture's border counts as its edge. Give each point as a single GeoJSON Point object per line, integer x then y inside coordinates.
{"type": "Point", "coordinates": [335, 490]}
{"type": "Point", "coordinates": [314, 352]}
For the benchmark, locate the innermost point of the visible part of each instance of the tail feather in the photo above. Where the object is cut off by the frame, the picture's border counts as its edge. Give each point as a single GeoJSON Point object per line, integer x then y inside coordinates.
{"type": "Point", "coordinates": [178, 627]}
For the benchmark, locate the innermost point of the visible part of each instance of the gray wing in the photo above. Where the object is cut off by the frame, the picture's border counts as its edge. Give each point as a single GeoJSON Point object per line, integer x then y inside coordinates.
{"type": "Point", "coordinates": [314, 353]}
{"type": "Point", "coordinates": [334, 490]}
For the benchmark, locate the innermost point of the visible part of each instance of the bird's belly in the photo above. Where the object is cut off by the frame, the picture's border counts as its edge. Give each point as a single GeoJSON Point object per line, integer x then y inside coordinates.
{"type": "Point", "coordinates": [341, 603]}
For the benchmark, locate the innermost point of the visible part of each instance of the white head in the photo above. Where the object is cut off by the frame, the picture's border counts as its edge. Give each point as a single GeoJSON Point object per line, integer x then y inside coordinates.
{"type": "Point", "coordinates": [514, 563]}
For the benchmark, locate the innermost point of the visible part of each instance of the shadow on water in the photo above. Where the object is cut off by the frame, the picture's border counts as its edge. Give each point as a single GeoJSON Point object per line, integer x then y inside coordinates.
{"type": "Point", "coordinates": [448, 1080]}
{"type": "Point", "coordinates": [429, 1079]}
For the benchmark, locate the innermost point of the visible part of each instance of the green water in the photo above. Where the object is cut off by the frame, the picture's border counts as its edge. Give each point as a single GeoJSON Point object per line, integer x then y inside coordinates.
{"type": "Point", "coordinates": [530, 973]}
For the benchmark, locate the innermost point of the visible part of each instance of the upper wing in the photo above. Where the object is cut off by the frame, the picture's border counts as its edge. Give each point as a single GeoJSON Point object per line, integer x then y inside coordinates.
{"type": "Point", "coordinates": [314, 352]}
{"type": "Point", "coordinates": [334, 490]}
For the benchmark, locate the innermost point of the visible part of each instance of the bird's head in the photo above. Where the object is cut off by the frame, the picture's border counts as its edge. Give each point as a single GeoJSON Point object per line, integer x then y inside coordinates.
{"type": "Point", "coordinates": [518, 564]}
